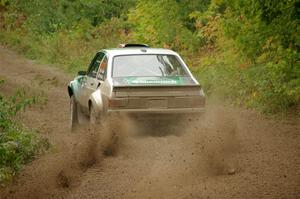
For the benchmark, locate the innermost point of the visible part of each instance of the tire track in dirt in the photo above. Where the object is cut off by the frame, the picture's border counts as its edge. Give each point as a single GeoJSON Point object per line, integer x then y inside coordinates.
{"type": "Point", "coordinates": [71, 154]}
{"type": "Point", "coordinates": [193, 161]}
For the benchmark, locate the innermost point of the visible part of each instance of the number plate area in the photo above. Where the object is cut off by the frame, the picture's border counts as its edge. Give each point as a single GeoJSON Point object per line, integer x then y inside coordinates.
{"type": "Point", "coordinates": [157, 103]}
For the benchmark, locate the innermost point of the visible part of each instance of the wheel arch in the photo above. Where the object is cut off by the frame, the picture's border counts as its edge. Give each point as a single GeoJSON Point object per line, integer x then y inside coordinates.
{"type": "Point", "coordinates": [73, 88]}
{"type": "Point", "coordinates": [95, 100]}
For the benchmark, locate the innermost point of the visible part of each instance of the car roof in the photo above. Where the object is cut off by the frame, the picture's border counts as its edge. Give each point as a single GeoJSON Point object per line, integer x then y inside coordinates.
{"type": "Point", "coordinates": [137, 51]}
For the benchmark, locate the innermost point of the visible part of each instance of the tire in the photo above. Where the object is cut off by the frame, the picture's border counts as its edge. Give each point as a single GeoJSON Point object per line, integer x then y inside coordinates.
{"type": "Point", "coordinates": [102, 127]}
{"type": "Point", "coordinates": [93, 120]}
{"type": "Point", "coordinates": [112, 135]}
{"type": "Point", "coordinates": [73, 114]}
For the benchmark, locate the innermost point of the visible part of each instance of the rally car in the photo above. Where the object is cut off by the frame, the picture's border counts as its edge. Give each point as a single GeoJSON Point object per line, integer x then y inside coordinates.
{"type": "Point", "coordinates": [136, 80]}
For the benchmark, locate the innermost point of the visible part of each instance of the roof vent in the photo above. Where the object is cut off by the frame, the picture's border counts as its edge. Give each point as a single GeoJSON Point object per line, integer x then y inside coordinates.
{"type": "Point", "coordinates": [133, 46]}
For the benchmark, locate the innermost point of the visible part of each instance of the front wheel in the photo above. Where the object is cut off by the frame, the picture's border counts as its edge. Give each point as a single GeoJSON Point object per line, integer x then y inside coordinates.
{"type": "Point", "coordinates": [73, 113]}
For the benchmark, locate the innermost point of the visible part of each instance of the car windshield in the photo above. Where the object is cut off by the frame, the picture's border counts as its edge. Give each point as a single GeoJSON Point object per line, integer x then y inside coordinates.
{"type": "Point", "coordinates": [147, 65]}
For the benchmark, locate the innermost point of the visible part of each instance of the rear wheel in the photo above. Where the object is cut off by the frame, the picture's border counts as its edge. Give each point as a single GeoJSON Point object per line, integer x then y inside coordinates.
{"type": "Point", "coordinates": [73, 113]}
{"type": "Point", "coordinates": [93, 119]}
{"type": "Point", "coordinates": [116, 127]}
{"type": "Point", "coordinates": [102, 127]}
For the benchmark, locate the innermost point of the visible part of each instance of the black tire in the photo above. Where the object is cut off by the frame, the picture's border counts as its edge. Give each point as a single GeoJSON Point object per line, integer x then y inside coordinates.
{"type": "Point", "coordinates": [73, 114]}
{"type": "Point", "coordinates": [112, 134]}
{"type": "Point", "coordinates": [108, 137]}
{"type": "Point", "coordinates": [93, 120]}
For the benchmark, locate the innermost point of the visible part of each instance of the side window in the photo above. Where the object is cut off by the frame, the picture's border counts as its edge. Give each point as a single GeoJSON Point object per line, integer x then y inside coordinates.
{"type": "Point", "coordinates": [103, 69]}
{"type": "Point", "coordinates": [93, 68]}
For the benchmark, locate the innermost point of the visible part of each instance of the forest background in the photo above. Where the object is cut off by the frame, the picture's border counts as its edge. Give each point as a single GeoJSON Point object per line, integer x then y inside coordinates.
{"type": "Point", "coordinates": [243, 52]}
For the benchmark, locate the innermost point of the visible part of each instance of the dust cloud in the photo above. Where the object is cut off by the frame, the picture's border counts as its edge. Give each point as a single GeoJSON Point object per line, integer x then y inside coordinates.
{"type": "Point", "coordinates": [61, 169]}
{"type": "Point", "coordinates": [217, 141]}
{"type": "Point", "coordinates": [212, 139]}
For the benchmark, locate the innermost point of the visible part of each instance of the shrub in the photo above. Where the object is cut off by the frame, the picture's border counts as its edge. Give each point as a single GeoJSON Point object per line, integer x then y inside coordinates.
{"type": "Point", "coordinates": [18, 145]}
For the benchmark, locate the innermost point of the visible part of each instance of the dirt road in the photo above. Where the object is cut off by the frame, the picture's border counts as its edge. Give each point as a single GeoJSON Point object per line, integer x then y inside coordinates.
{"type": "Point", "coordinates": [231, 153]}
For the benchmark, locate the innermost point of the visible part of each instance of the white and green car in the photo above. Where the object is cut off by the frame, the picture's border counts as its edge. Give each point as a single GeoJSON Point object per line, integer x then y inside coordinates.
{"type": "Point", "coordinates": [135, 80]}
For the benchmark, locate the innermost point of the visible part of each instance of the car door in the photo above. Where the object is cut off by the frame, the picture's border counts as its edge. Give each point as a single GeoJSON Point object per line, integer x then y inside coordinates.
{"type": "Point", "coordinates": [91, 82]}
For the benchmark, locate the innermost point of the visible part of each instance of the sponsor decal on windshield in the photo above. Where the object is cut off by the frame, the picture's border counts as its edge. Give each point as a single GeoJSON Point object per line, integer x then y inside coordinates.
{"type": "Point", "coordinates": [153, 81]}
{"type": "Point", "coordinates": [172, 81]}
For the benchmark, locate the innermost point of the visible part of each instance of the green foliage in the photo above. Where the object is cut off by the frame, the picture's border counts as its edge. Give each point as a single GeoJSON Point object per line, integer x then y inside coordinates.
{"type": "Point", "coordinates": [68, 37]}
{"type": "Point", "coordinates": [52, 15]}
{"type": "Point", "coordinates": [256, 53]}
{"type": "Point", "coordinates": [3, 2]}
{"type": "Point", "coordinates": [160, 23]}
{"type": "Point", "coordinates": [244, 52]}
{"type": "Point", "coordinates": [17, 144]}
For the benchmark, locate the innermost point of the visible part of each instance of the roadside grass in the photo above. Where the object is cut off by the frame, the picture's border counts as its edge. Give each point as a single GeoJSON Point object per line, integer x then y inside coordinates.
{"type": "Point", "coordinates": [18, 144]}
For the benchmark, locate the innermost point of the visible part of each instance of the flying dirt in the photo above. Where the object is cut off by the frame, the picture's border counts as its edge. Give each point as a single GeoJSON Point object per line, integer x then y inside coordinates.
{"type": "Point", "coordinates": [227, 153]}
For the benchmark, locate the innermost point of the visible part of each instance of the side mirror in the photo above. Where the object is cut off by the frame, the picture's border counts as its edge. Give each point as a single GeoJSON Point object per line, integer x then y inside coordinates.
{"type": "Point", "coordinates": [82, 73]}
